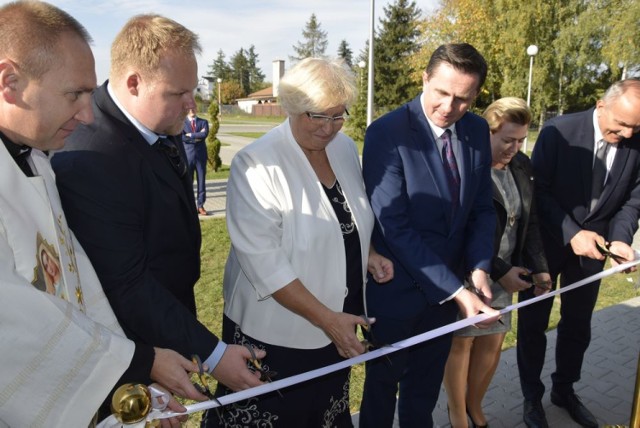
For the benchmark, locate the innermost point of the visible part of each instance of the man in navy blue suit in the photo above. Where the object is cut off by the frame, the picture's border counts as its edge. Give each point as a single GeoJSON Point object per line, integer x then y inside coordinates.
{"type": "Point", "coordinates": [576, 212]}
{"type": "Point", "coordinates": [426, 168]}
{"type": "Point", "coordinates": [194, 134]}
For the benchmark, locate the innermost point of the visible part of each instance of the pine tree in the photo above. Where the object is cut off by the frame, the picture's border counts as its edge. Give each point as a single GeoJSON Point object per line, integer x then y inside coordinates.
{"type": "Point", "coordinates": [397, 41]}
{"type": "Point", "coordinates": [357, 124]}
{"type": "Point", "coordinates": [212, 142]}
{"type": "Point", "coordinates": [256, 76]}
{"type": "Point", "coordinates": [345, 52]}
{"type": "Point", "coordinates": [315, 41]}
{"type": "Point", "coordinates": [220, 68]}
{"type": "Point", "coordinates": [240, 71]}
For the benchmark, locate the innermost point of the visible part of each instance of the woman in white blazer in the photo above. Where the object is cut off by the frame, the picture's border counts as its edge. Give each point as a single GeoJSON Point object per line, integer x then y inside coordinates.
{"type": "Point", "coordinates": [300, 225]}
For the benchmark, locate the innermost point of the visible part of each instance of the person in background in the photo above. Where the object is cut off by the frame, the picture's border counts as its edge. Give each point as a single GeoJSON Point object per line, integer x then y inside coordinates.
{"type": "Point", "coordinates": [128, 198]}
{"type": "Point", "coordinates": [62, 353]}
{"type": "Point", "coordinates": [194, 135]}
{"type": "Point", "coordinates": [300, 225]}
{"type": "Point", "coordinates": [518, 254]}
{"type": "Point", "coordinates": [587, 171]}
{"type": "Point", "coordinates": [426, 168]}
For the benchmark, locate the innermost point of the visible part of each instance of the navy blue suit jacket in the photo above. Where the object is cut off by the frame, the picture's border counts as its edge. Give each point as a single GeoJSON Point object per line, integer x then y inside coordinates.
{"type": "Point", "coordinates": [407, 187]}
{"type": "Point", "coordinates": [200, 133]}
{"type": "Point", "coordinates": [562, 160]}
{"type": "Point", "coordinates": [137, 221]}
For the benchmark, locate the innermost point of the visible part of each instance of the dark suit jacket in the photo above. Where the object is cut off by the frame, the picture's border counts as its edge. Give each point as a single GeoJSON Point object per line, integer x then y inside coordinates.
{"type": "Point", "coordinates": [136, 219]}
{"type": "Point", "coordinates": [563, 161]}
{"type": "Point", "coordinates": [201, 132]}
{"type": "Point", "coordinates": [529, 251]}
{"type": "Point", "coordinates": [406, 184]}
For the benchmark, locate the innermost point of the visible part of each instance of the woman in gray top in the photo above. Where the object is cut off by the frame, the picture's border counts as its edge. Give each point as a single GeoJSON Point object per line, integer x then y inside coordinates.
{"type": "Point", "coordinates": [518, 263]}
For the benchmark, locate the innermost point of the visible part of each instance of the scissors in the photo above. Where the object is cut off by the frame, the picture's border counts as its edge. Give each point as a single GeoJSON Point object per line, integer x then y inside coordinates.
{"type": "Point", "coordinates": [265, 375]}
{"type": "Point", "coordinates": [604, 250]}
{"type": "Point", "coordinates": [370, 343]}
{"type": "Point", "coordinates": [205, 379]}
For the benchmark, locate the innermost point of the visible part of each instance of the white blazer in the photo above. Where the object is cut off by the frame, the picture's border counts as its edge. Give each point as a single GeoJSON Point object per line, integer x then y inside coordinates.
{"type": "Point", "coordinates": [59, 356]}
{"type": "Point", "coordinates": [282, 227]}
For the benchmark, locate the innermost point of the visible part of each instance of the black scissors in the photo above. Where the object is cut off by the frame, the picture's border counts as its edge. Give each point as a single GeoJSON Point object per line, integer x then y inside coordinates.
{"type": "Point", "coordinates": [370, 343]}
{"type": "Point", "coordinates": [604, 250]}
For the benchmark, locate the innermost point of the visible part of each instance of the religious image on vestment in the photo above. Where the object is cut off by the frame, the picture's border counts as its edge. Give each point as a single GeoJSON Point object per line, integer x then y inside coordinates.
{"type": "Point", "coordinates": [47, 275]}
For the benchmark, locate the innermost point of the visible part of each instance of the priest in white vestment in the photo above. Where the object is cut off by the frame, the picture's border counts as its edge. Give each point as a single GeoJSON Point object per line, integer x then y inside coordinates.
{"type": "Point", "coordinates": [61, 348]}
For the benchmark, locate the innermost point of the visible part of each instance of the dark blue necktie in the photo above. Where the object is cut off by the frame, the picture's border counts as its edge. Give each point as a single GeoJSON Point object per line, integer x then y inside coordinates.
{"type": "Point", "coordinates": [172, 154]}
{"type": "Point", "coordinates": [451, 169]}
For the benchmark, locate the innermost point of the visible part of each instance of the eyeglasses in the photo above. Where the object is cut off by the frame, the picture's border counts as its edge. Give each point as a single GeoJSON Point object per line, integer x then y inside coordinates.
{"type": "Point", "coordinates": [322, 119]}
{"type": "Point", "coordinates": [173, 155]}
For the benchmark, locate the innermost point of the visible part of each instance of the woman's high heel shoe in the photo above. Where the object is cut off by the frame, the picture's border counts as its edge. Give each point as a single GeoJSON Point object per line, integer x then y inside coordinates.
{"type": "Point", "coordinates": [473, 424]}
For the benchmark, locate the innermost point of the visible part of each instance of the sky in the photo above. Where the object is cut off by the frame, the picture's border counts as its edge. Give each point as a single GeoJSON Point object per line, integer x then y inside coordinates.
{"type": "Point", "coordinates": [272, 26]}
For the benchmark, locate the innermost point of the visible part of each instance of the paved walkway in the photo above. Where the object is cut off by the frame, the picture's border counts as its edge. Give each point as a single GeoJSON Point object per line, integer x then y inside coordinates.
{"type": "Point", "coordinates": [606, 387]}
{"type": "Point", "coordinates": [609, 370]}
{"type": "Point", "coordinates": [216, 198]}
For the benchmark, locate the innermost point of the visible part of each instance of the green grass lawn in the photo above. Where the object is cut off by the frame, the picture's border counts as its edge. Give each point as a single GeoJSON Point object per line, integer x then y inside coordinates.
{"type": "Point", "coordinates": [223, 172]}
{"type": "Point", "coordinates": [238, 118]}
{"type": "Point", "coordinates": [254, 135]}
{"type": "Point", "coordinates": [215, 247]}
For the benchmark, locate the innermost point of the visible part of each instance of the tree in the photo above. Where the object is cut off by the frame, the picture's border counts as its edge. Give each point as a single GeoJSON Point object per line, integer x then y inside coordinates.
{"type": "Point", "coordinates": [256, 76]}
{"type": "Point", "coordinates": [220, 68]}
{"type": "Point", "coordinates": [213, 144]}
{"type": "Point", "coordinates": [397, 41]}
{"type": "Point", "coordinates": [240, 71]}
{"type": "Point", "coordinates": [357, 124]}
{"type": "Point", "coordinates": [620, 48]}
{"type": "Point", "coordinates": [315, 41]}
{"type": "Point", "coordinates": [230, 91]}
{"type": "Point", "coordinates": [345, 53]}
{"type": "Point", "coordinates": [584, 46]}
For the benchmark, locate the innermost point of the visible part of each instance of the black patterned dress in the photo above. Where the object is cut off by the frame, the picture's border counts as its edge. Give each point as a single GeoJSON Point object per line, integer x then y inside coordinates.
{"type": "Point", "coordinates": [318, 403]}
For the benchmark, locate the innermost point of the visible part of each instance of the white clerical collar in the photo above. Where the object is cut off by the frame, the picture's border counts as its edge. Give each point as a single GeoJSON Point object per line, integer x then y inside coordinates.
{"type": "Point", "coordinates": [149, 136]}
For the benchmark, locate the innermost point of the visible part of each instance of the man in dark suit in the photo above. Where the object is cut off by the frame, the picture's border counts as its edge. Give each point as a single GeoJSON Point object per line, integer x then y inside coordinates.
{"type": "Point", "coordinates": [435, 220]}
{"type": "Point", "coordinates": [577, 212]}
{"type": "Point", "coordinates": [124, 186]}
{"type": "Point", "coordinates": [62, 349]}
{"type": "Point", "coordinates": [194, 134]}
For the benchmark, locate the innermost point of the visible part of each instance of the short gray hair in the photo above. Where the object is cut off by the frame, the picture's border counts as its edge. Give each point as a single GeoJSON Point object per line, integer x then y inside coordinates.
{"type": "Point", "coordinates": [620, 87]}
{"type": "Point", "coordinates": [316, 85]}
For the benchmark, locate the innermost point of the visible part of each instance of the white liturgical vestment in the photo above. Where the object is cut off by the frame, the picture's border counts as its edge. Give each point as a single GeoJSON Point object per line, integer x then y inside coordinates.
{"type": "Point", "coordinates": [61, 348]}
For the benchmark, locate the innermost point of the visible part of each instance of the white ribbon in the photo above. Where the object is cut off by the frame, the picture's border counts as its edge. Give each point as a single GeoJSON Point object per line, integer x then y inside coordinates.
{"type": "Point", "coordinates": [432, 334]}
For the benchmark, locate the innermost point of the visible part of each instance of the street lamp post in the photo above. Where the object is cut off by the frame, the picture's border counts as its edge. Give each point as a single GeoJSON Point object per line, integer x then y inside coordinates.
{"type": "Point", "coordinates": [531, 51]}
{"type": "Point", "coordinates": [362, 65]}
{"type": "Point", "coordinates": [370, 75]}
{"type": "Point", "coordinates": [219, 99]}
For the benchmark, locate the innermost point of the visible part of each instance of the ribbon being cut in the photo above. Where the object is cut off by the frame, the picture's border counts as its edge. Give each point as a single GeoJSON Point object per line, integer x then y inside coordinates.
{"type": "Point", "coordinates": [157, 414]}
